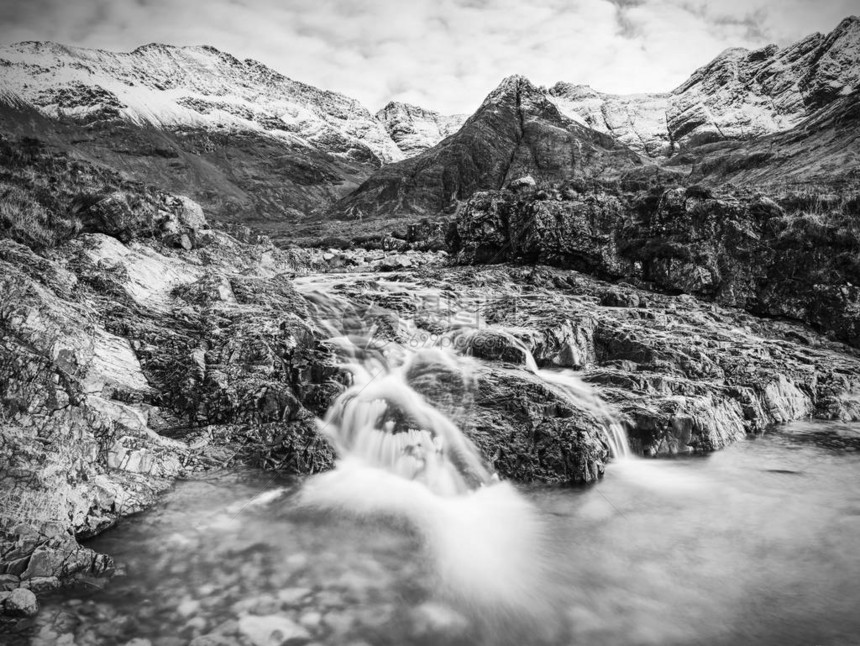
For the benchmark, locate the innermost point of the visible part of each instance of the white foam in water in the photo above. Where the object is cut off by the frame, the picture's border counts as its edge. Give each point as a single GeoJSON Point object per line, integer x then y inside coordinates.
{"type": "Point", "coordinates": [399, 456]}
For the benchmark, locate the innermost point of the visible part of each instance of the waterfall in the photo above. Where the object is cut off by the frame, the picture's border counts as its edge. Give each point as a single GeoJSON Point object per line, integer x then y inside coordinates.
{"type": "Point", "coordinates": [568, 385]}
{"type": "Point", "coordinates": [399, 456]}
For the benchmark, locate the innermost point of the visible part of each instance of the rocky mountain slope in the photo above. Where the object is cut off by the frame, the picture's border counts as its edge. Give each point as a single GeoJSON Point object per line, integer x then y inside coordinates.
{"type": "Point", "coordinates": [415, 129]}
{"type": "Point", "coordinates": [762, 118]}
{"type": "Point", "coordinates": [637, 120]}
{"type": "Point", "coordinates": [516, 132]}
{"type": "Point", "coordinates": [190, 88]}
{"type": "Point", "coordinates": [740, 95]}
{"type": "Point", "coordinates": [248, 143]}
{"type": "Point", "coordinates": [822, 154]}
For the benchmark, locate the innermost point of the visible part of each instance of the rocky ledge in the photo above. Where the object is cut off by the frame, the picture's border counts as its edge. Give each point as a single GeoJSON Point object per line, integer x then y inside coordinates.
{"type": "Point", "coordinates": [137, 345]}
{"type": "Point", "coordinates": [683, 375]}
{"type": "Point", "coordinates": [124, 366]}
{"type": "Point", "coordinates": [793, 255]}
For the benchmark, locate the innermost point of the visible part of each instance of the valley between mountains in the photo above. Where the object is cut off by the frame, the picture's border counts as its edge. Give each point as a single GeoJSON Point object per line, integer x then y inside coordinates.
{"type": "Point", "coordinates": [693, 255]}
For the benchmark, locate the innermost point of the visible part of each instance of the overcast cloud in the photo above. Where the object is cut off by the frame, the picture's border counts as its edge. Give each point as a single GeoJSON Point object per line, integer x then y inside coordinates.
{"type": "Point", "coordinates": [442, 54]}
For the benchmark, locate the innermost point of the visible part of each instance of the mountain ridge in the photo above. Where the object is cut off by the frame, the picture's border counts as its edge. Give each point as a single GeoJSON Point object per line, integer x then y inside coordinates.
{"type": "Point", "coordinates": [740, 94]}
{"type": "Point", "coordinates": [256, 147]}
{"type": "Point", "coordinates": [516, 132]}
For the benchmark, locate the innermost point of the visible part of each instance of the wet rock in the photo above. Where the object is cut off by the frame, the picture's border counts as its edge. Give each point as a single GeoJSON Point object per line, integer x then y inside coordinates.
{"type": "Point", "coordinates": [339, 623]}
{"type": "Point", "coordinates": [311, 620]}
{"type": "Point", "coordinates": [8, 582]}
{"type": "Point", "coordinates": [20, 603]}
{"type": "Point", "coordinates": [682, 374]}
{"type": "Point", "coordinates": [42, 584]}
{"type": "Point", "coordinates": [435, 619]}
{"type": "Point", "coordinates": [269, 630]}
{"type": "Point", "coordinates": [211, 640]}
{"type": "Point", "coordinates": [106, 348]}
{"type": "Point", "coordinates": [293, 596]}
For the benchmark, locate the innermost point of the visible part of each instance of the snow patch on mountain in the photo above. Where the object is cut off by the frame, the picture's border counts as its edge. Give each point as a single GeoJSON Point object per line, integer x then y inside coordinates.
{"type": "Point", "coordinates": [415, 129]}
{"type": "Point", "coordinates": [741, 94]}
{"type": "Point", "coordinates": [636, 120]}
{"type": "Point", "coordinates": [190, 87]}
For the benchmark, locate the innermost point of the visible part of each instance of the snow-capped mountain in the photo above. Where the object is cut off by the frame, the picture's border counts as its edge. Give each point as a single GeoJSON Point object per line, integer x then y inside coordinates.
{"type": "Point", "coordinates": [190, 87]}
{"type": "Point", "coordinates": [741, 94]}
{"type": "Point", "coordinates": [415, 129]}
{"type": "Point", "coordinates": [636, 120]}
{"type": "Point", "coordinates": [254, 146]}
{"type": "Point", "coordinates": [516, 132]}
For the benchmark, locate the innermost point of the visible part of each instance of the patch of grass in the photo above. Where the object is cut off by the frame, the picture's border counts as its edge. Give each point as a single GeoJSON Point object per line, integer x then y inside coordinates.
{"type": "Point", "coordinates": [26, 221]}
{"type": "Point", "coordinates": [47, 197]}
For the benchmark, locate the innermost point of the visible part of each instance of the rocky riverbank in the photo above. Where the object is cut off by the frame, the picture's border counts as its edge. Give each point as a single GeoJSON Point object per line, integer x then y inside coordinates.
{"type": "Point", "coordinates": [139, 345]}
{"type": "Point", "coordinates": [126, 365]}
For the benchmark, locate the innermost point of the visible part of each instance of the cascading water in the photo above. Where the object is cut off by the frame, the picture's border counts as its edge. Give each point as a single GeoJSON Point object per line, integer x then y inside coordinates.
{"type": "Point", "coordinates": [399, 456]}
{"type": "Point", "coordinates": [567, 384]}
{"type": "Point", "coordinates": [574, 389]}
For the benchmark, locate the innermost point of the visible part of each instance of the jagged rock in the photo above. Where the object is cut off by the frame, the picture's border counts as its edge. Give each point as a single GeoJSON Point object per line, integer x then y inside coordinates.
{"type": "Point", "coordinates": [682, 374]}
{"type": "Point", "coordinates": [741, 250]}
{"type": "Point", "coordinates": [104, 347]}
{"type": "Point", "coordinates": [618, 298]}
{"type": "Point", "coordinates": [8, 582]}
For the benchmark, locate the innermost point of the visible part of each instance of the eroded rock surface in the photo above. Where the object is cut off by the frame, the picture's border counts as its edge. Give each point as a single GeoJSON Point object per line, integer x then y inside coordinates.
{"type": "Point", "coordinates": [795, 260]}
{"type": "Point", "coordinates": [125, 365]}
{"type": "Point", "coordinates": [684, 375]}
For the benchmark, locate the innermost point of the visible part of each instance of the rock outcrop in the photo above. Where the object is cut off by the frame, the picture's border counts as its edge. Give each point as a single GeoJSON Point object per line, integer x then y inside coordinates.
{"type": "Point", "coordinates": [796, 261]}
{"type": "Point", "coordinates": [136, 344]}
{"type": "Point", "coordinates": [683, 375]}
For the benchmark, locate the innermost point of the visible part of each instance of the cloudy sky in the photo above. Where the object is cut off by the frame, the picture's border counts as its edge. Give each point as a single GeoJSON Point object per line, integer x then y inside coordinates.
{"type": "Point", "coordinates": [442, 54]}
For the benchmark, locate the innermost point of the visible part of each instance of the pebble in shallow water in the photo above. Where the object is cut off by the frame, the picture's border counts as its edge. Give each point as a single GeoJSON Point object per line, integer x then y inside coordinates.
{"type": "Point", "coordinates": [270, 630]}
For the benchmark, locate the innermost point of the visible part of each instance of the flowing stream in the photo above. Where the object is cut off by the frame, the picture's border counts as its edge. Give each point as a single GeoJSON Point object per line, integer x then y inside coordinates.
{"type": "Point", "coordinates": [756, 544]}
{"type": "Point", "coordinates": [413, 539]}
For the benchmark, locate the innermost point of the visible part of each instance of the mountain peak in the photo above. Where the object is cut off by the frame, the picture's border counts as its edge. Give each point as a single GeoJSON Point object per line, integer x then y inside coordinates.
{"type": "Point", "coordinates": [515, 83]}
{"type": "Point", "coordinates": [515, 87]}
{"type": "Point", "coordinates": [848, 29]}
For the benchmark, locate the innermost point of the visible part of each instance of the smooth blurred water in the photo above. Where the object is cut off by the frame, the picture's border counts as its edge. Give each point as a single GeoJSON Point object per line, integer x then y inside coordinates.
{"type": "Point", "coordinates": [757, 544]}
